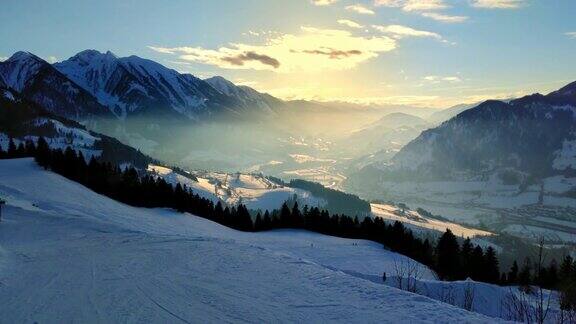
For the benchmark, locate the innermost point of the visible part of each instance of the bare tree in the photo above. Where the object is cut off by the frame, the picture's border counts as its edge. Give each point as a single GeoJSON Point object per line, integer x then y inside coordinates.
{"type": "Point", "coordinates": [469, 293]}
{"type": "Point", "coordinates": [408, 274]}
{"type": "Point", "coordinates": [530, 304]}
{"type": "Point", "coordinates": [542, 301]}
{"type": "Point", "coordinates": [567, 303]}
{"type": "Point", "coordinates": [447, 295]}
{"type": "Point", "coordinates": [516, 307]}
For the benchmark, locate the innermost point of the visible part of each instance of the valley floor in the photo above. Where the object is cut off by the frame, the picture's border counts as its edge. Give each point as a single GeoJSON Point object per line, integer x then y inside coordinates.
{"type": "Point", "coordinates": [70, 255]}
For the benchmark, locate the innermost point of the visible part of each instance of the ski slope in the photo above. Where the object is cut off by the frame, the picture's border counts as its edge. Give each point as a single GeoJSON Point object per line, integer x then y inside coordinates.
{"type": "Point", "coordinates": [68, 254]}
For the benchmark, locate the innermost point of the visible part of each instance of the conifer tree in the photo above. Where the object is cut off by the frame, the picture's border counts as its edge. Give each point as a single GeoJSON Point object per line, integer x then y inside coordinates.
{"type": "Point", "coordinates": [447, 253]}
{"type": "Point", "coordinates": [12, 149]}
{"type": "Point", "coordinates": [285, 215]}
{"type": "Point", "coordinates": [524, 277]}
{"type": "Point", "coordinates": [567, 268]}
{"type": "Point", "coordinates": [258, 223]}
{"type": "Point", "coordinates": [466, 255]}
{"type": "Point", "coordinates": [513, 274]}
{"type": "Point", "coordinates": [491, 265]}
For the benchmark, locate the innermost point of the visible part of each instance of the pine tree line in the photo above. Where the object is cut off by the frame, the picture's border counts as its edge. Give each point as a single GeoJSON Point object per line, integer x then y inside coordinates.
{"type": "Point", "coordinates": [449, 259]}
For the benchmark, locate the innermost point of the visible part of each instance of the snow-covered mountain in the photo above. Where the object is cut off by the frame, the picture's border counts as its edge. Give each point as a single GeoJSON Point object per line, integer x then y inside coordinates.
{"type": "Point", "coordinates": [250, 98]}
{"type": "Point", "coordinates": [23, 120]}
{"type": "Point", "coordinates": [38, 81]}
{"type": "Point", "coordinates": [530, 137]}
{"type": "Point", "coordinates": [136, 86]}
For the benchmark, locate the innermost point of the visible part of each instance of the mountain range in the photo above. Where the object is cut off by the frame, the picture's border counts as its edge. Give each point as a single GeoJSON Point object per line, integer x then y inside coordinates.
{"type": "Point", "coordinates": [525, 139]}
{"type": "Point", "coordinates": [92, 84]}
{"type": "Point", "coordinates": [141, 101]}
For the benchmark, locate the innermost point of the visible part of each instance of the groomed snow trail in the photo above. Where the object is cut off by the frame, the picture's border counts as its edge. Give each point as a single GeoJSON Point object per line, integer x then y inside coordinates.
{"type": "Point", "coordinates": [68, 254]}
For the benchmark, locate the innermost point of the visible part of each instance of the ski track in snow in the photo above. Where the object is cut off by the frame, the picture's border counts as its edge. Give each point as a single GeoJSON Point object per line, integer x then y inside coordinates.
{"type": "Point", "coordinates": [68, 254]}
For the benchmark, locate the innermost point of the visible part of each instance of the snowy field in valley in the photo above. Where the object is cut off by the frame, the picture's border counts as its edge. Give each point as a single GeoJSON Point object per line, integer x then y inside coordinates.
{"type": "Point", "coordinates": [415, 220]}
{"type": "Point", "coordinates": [495, 206]}
{"type": "Point", "coordinates": [254, 191]}
{"type": "Point", "coordinates": [68, 254]}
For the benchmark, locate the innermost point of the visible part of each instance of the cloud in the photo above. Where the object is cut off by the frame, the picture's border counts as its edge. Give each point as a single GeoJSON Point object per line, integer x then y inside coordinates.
{"type": "Point", "coordinates": [571, 34]}
{"type": "Point", "coordinates": [360, 9]}
{"type": "Point", "coordinates": [497, 4]}
{"type": "Point", "coordinates": [444, 18]}
{"type": "Point", "coordinates": [425, 8]}
{"type": "Point", "coordinates": [399, 31]}
{"type": "Point", "coordinates": [408, 100]}
{"type": "Point", "coordinates": [349, 23]}
{"type": "Point", "coordinates": [413, 5]}
{"type": "Point", "coordinates": [311, 50]}
{"type": "Point", "coordinates": [3, 58]}
{"type": "Point", "coordinates": [51, 59]}
{"type": "Point", "coordinates": [421, 5]}
{"type": "Point", "coordinates": [240, 59]}
{"type": "Point", "coordinates": [438, 79]}
{"type": "Point", "coordinates": [323, 2]}
{"type": "Point", "coordinates": [334, 54]}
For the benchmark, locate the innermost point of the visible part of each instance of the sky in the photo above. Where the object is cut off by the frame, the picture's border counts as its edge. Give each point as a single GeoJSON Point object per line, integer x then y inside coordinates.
{"type": "Point", "coordinates": [429, 53]}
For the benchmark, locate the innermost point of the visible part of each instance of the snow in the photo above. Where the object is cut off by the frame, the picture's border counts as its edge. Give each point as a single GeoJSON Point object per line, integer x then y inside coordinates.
{"type": "Point", "coordinates": [78, 139]}
{"type": "Point", "coordinates": [80, 136]}
{"type": "Point", "coordinates": [123, 83]}
{"type": "Point", "coordinates": [414, 219]}
{"type": "Point", "coordinates": [254, 191]}
{"type": "Point", "coordinates": [565, 157]}
{"type": "Point", "coordinates": [68, 254]}
{"type": "Point", "coordinates": [7, 94]}
{"type": "Point", "coordinates": [180, 89]}
{"type": "Point", "coordinates": [303, 158]}
{"type": "Point", "coordinates": [537, 233]}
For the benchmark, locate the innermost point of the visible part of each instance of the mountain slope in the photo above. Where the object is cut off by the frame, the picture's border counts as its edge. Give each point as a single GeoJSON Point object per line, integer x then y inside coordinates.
{"type": "Point", "coordinates": [441, 116]}
{"type": "Point", "coordinates": [533, 136]}
{"type": "Point", "coordinates": [250, 98]}
{"type": "Point", "coordinates": [136, 86]}
{"type": "Point", "coordinates": [380, 140]}
{"type": "Point", "coordinates": [70, 254]}
{"type": "Point", "coordinates": [24, 120]}
{"type": "Point", "coordinates": [36, 80]}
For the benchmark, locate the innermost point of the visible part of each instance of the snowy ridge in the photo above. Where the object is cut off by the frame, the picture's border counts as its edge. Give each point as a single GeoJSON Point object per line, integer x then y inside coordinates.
{"type": "Point", "coordinates": [37, 81]}
{"type": "Point", "coordinates": [246, 95]}
{"type": "Point", "coordinates": [20, 68]}
{"type": "Point", "coordinates": [99, 75]}
{"type": "Point", "coordinates": [132, 84]}
{"type": "Point", "coordinates": [94, 84]}
{"type": "Point", "coordinates": [117, 263]}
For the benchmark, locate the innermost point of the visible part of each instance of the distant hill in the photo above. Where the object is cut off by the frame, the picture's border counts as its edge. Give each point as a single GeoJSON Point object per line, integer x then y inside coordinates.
{"type": "Point", "coordinates": [530, 137]}
{"type": "Point", "coordinates": [443, 115]}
